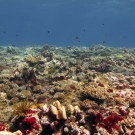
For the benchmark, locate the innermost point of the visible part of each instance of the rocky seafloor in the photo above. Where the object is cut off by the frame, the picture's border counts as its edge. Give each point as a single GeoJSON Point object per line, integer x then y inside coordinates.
{"type": "Point", "coordinates": [49, 90]}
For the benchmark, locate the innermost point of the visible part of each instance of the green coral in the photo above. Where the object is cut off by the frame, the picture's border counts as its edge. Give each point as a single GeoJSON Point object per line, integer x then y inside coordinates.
{"type": "Point", "coordinates": [51, 70]}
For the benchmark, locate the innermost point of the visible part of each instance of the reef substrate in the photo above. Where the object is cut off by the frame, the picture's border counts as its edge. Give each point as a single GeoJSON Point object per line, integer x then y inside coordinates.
{"type": "Point", "coordinates": [48, 90]}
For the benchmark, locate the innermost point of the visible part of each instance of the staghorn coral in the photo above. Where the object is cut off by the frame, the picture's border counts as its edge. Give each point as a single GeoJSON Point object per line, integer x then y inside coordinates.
{"type": "Point", "coordinates": [95, 93]}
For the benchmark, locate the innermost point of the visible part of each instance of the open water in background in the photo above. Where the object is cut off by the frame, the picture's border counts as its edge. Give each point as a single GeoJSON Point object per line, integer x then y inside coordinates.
{"type": "Point", "coordinates": [67, 22]}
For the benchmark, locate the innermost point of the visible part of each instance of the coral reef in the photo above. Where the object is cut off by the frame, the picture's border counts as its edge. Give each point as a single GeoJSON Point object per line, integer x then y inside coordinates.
{"type": "Point", "coordinates": [70, 91]}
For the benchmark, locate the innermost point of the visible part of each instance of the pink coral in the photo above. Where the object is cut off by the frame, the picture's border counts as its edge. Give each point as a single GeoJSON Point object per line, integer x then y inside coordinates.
{"type": "Point", "coordinates": [28, 124]}
{"type": "Point", "coordinates": [2, 127]}
{"type": "Point", "coordinates": [111, 122]}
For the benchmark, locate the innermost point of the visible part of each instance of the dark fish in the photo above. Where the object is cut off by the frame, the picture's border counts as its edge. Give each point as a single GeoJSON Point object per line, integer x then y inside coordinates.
{"type": "Point", "coordinates": [13, 45]}
{"type": "Point", "coordinates": [76, 37]}
{"type": "Point", "coordinates": [103, 42]}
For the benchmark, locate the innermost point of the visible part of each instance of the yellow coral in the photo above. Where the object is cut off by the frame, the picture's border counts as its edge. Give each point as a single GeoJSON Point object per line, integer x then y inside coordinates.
{"type": "Point", "coordinates": [16, 57]}
{"type": "Point", "coordinates": [96, 93]}
{"type": "Point", "coordinates": [21, 107]}
{"type": "Point", "coordinates": [33, 59]}
{"type": "Point", "coordinates": [51, 70]}
{"type": "Point", "coordinates": [118, 100]}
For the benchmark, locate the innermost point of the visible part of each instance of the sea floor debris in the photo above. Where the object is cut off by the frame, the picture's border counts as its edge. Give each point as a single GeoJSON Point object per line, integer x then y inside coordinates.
{"type": "Point", "coordinates": [67, 90]}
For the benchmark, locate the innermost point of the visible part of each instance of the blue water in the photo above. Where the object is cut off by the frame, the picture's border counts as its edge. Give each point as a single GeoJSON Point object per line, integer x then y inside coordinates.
{"type": "Point", "coordinates": [67, 22]}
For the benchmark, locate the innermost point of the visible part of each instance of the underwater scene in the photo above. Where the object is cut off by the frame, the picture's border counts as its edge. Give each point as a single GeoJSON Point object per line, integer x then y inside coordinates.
{"type": "Point", "coordinates": [67, 67]}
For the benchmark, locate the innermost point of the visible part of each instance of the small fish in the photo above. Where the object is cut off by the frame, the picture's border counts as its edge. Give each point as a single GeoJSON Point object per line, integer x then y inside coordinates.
{"type": "Point", "coordinates": [76, 37]}
{"type": "Point", "coordinates": [103, 42]}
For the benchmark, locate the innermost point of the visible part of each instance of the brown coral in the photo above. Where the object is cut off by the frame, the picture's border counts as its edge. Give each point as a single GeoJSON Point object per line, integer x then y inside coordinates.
{"type": "Point", "coordinates": [38, 88]}
{"type": "Point", "coordinates": [88, 104]}
{"type": "Point", "coordinates": [132, 102]}
{"type": "Point", "coordinates": [95, 93]}
{"type": "Point", "coordinates": [118, 100]}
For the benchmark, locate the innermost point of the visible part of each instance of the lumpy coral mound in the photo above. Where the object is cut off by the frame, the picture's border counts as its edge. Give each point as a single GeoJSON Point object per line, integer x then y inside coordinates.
{"type": "Point", "coordinates": [96, 93]}
{"type": "Point", "coordinates": [33, 59]}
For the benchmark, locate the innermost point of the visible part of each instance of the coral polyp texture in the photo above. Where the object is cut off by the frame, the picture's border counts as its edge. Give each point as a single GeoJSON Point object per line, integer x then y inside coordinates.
{"type": "Point", "coordinates": [49, 90]}
{"type": "Point", "coordinates": [96, 93]}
